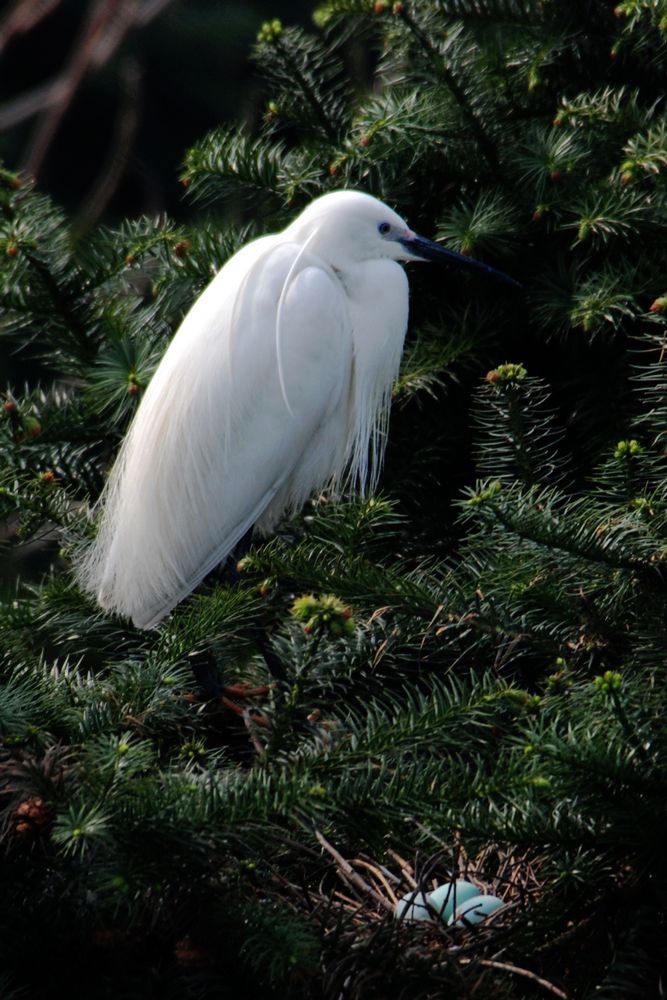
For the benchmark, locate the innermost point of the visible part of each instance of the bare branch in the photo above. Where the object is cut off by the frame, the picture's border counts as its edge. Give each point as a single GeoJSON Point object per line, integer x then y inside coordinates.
{"type": "Point", "coordinates": [81, 58]}
{"type": "Point", "coordinates": [106, 26]}
{"type": "Point", "coordinates": [127, 122]}
{"type": "Point", "coordinates": [517, 971]}
{"type": "Point", "coordinates": [23, 16]}
{"type": "Point", "coordinates": [349, 874]}
{"type": "Point", "coordinates": [31, 102]}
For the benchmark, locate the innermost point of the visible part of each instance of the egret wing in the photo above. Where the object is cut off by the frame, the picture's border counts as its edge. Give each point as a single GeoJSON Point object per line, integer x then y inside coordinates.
{"type": "Point", "coordinates": [219, 434]}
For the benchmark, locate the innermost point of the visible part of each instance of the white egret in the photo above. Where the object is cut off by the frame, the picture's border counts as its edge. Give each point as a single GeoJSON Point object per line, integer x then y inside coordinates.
{"type": "Point", "coordinates": [277, 384]}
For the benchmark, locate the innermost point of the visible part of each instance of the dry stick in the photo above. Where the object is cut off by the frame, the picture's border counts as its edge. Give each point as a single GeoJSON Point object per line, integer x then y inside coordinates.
{"type": "Point", "coordinates": [380, 876]}
{"type": "Point", "coordinates": [149, 10]}
{"type": "Point", "coordinates": [82, 57]}
{"type": "Point", "coordinates": [352, 905]}
{"type": "Point", "coordinates": [30, 103]}
{"type": "Point", "coordinates": [125, 130]}
{"type": "Point", "coordinates": [106, 27]}
{"type": "Point", "coordinates": [23, 16]}
{"type": "Point", "coordinates": [59, 89]}
{"type": "Point", "coordinates": [394, 879]}
{"type": "Point", "coordinates": [252, 732]}
{"type": "Point", "coordinates": [515, 970]}
{"type": "Point", "coordinates": [405, 869]}
{"type": "Point", "coordinates": [350, 875]}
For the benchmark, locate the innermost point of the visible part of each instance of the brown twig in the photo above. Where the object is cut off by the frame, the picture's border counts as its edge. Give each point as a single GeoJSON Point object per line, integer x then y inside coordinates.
{"type": "Point", "coordinates": [82, 56]}
{"type": "Point", "coordinates": [127, 122]}
{"type": "Point", "coordinates": [406, 871]}
{"type": "Point", "coordinates": [250, 725]}
{"type": "Point", "coordinates": [107, 24]}
{"type": "Point", "coordinates": [352, 906]}
{"type": "Point", "coordinates": [23, 16]}
{"type": "Point", "coordinates": [517, 971]}
{"type": "Point", "coordinates": [380, 876]}
{"type": "Point", "coordinates": [349, 874]}
{"type": "Point", "coordinates": [149, 10]}
{"type": "Point", "coordinates": [30, 103]}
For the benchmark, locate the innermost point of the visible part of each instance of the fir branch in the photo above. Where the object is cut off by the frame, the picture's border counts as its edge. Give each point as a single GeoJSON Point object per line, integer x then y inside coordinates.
{"type": "Point", "coordinates": [517, 437]}
{"type": "Point", "coordinates": [539, 516]}
{"type": "Point", "coordinates": [488, 225]}
{"type": "Point", "coordinates": [645, 153]}
{"type": "Point", "coordinates": [606, 217]}
{"type": "Point", "coordinates": [300, 56]}
{"type": "Point", "coordinates": [441, 66]}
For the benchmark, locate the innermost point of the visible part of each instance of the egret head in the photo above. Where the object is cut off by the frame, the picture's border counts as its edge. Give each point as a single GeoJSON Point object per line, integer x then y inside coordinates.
{"type": "Point", "coordinates": [345, 227]}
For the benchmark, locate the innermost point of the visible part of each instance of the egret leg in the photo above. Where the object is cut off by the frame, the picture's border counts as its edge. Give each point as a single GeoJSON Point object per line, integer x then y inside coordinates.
{"type": "Point", "coordinates": [203, 663]}
{"type": "Point", "coordinates": [275, 665]}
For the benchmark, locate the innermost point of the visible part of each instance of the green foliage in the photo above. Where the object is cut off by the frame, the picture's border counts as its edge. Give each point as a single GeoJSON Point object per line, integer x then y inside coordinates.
{"type": "Point", "coordinates": [475, 658]}
{"type": "Point", "coordinates": [516, 437]}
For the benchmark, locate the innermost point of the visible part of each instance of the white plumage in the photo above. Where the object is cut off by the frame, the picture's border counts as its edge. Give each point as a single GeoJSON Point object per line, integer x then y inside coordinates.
{"type": "Point", "coordinates": [277, 384]}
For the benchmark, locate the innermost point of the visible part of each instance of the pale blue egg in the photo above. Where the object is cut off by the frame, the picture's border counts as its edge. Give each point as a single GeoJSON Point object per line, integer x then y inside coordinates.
{"type": "Point", "coordinates": [412, 906]}
{"type": "Point", "coordinates": [447, 897]}
{"type": "Point", "coordinates": [475, 910]}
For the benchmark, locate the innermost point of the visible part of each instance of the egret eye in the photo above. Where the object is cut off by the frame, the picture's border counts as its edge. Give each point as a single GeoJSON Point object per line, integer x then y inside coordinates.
{"type": "Point", "coordinates": [384, 228]}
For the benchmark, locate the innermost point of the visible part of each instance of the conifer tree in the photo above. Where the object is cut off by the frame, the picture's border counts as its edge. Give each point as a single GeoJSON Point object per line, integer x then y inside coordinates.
{"type": "Point", "coordinates": [475, 656]}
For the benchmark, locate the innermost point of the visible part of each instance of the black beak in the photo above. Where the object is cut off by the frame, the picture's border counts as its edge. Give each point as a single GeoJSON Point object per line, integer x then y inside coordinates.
{"type": "Point", "coordinates": [422, 249]}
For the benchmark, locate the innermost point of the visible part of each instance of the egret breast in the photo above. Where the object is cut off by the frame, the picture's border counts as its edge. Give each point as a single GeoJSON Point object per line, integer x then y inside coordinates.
{"type": "Point", "coordinates": [378, 301]}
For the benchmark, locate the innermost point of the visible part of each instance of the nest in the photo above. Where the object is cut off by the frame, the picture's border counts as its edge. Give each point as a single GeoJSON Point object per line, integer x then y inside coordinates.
{"type": "Point", "coordinates": [369, 952]}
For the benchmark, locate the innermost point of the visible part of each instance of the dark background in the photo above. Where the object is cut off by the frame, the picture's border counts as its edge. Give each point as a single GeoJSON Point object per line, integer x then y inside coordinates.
{"type": "Point", "coordinates": [100, 99]}
{"type": "Point", "coordinates": [163, 73]}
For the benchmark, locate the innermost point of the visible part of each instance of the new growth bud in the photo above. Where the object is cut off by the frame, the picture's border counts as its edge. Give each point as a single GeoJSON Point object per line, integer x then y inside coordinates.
{"type": "Point", "coordinates": [323, 614]}
{"type": "Point", "coordinates": [507, 374]}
